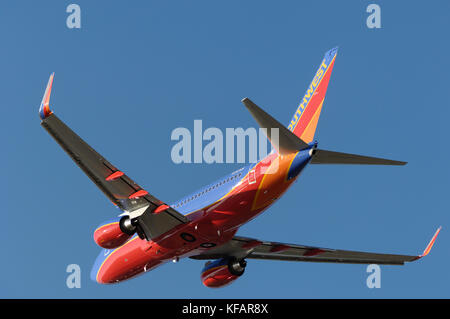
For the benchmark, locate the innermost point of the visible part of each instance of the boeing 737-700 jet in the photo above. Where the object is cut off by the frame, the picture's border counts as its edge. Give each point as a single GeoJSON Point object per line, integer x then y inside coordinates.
{"type": "Point", "coordinates": [203, 225]}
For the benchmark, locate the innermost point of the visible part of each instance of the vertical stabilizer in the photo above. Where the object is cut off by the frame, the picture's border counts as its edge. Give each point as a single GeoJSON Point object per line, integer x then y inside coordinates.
{"type": "Point", "coordinates": [305, 119]}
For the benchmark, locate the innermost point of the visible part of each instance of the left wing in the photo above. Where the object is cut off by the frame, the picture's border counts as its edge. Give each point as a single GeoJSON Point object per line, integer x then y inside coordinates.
{"type": "Point", "coordinates": [154, 216]}
{"type": "Point", "coordinates": [243, 247]}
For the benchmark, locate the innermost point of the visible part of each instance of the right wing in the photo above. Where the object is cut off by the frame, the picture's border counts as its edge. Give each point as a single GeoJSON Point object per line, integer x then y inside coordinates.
{"type": "Point", "coordinates": [243, 247]}
{"type": "Point", "coordinates": [156, 217]}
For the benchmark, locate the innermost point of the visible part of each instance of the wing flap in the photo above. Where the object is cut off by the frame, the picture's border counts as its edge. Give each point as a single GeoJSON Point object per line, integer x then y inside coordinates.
{"type": "Point", "coordinates": [314, 254]}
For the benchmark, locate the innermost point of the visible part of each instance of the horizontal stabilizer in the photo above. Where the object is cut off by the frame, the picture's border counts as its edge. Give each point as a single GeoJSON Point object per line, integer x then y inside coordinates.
{"type": "Point", "coordinates": [329, 157]}
{"type": "Point", "coordinates": [286, 142]}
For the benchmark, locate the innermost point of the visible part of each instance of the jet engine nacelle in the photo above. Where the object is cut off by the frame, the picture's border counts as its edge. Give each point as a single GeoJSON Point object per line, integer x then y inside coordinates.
{"type": "Point", "coordinates": [114, 233]}
{"type": "Point", "coordinates": [222, 272]}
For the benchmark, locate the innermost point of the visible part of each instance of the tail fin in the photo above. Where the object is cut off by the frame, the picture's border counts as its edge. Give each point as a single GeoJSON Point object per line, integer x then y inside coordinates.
{"type": "Point", "coordinates": [304, 121]}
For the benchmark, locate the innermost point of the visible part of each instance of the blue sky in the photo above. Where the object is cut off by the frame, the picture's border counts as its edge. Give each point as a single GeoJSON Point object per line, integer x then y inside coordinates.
{"type": "Point", "coordinates": [134, 72]}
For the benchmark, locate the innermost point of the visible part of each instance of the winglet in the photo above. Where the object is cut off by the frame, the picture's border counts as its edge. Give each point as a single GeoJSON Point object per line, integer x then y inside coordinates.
{"type": "Point", "coordinates": [430, 244]}
{"type": "Point", "coordinates": [44, 109]}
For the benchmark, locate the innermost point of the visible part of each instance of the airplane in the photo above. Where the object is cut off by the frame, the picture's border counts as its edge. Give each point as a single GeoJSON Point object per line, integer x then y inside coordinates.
{"type": "Point", "coordinates": [203, 225]}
